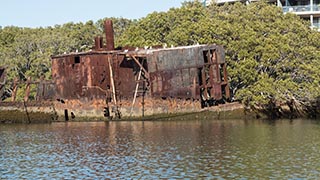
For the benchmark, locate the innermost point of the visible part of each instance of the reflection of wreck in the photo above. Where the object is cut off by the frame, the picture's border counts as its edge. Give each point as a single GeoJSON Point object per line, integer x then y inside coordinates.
{"type": "Point", "coordinates": [141, 81]}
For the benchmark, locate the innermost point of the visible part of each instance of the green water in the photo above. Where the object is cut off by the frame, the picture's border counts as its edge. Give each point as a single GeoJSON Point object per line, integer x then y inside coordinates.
{"type": "Point", "coordinates": [210, 149]}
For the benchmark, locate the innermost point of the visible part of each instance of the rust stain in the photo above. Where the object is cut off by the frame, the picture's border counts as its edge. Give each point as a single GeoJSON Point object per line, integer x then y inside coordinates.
{"type": "Point", "coordinates": [108, 27]}
{"type": "Point", "coordinates": [189, 72]}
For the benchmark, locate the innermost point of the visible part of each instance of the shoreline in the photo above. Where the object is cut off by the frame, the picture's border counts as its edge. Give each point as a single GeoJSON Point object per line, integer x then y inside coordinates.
{"type": "Point", "coordinates": [47, 112]}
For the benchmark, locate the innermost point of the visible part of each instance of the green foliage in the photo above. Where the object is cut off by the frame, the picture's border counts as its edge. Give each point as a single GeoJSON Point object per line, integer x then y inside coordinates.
{"type": "Point", "coordinates": [178, 26]}
{"type": "Point", "coordinates": [26, 52]}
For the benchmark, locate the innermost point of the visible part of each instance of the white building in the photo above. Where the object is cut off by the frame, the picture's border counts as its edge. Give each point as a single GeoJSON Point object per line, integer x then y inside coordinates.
{"type": "Point", "coordinates": [306, 9]}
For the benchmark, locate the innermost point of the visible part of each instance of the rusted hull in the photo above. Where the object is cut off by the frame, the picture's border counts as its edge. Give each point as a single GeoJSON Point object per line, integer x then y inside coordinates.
{"type": "Point", "coordinates": [197, 72]}
{"type": "Point", "coordinates": [74, 110]}
{"type": "Point", "coordinates": [89, 76]}
{"type": "Point", "coordinates": [191, 72]}
{"type": "Point", "coordinates": [135, 82]}
{"type": "Point", "coordinates": [142, 107]}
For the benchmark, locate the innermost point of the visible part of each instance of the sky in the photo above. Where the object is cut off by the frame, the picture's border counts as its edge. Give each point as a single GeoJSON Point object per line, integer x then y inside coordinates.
{"type": "Point", "coordinates": [43, 13]}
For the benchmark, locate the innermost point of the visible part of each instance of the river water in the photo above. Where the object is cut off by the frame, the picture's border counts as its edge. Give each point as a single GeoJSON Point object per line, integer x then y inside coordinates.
{"type": "Point", "coordinates": [207, 149]}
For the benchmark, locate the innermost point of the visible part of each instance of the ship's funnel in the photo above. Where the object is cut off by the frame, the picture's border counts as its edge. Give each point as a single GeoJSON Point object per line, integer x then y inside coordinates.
{"type": "Point", "coordinates": [108, 27]}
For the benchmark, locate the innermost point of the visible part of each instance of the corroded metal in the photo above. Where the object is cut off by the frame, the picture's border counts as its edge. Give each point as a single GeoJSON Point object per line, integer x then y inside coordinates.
{"type": "Point", "coordinates": [108, 27]}
{"type": "Point", "coordinates": [120, 76]}
{"type": "Point", "coordinates": [75, 76]}
{"type": "Point", "coordinates": [131, 81]}
{"type": "Point", "coordinates": [98, 43]}
{"type": "Point", "coordinates": [190, 72]}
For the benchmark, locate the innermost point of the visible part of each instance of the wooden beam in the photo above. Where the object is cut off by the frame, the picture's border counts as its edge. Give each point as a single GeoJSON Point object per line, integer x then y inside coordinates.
{"type": "Point", "coordinates": [141, 67]}
{"type": "Point", "coordinates": [112, 81]}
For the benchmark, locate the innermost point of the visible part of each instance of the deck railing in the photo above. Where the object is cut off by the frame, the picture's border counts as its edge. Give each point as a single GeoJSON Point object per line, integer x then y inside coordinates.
{"type": "Point", "coordinates": [304, 8]}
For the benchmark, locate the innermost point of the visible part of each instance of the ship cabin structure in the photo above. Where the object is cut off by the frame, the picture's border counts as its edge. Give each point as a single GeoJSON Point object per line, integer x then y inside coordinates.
{"type": "Point", "coordinates": [128, 77]}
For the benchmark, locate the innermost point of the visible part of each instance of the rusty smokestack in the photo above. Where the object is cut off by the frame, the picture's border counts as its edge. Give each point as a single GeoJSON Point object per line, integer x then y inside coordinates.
{"type": "Point", "coordinates": [98, 43]}
{"type": "Point", "coordinates": [108, 27]}
{"type": "Point", "coordinates": [101, 41]}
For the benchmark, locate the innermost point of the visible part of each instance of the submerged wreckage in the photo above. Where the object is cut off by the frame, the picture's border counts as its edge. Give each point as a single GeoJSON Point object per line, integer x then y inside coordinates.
{"type": "Point", "coordinates": [136, 82]}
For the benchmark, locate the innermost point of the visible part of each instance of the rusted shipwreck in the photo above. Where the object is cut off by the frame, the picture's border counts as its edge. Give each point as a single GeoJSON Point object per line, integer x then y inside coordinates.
{"type": "Point", "coordinates": [139, 81]}
{"type": "Point", "coordinates": [126, 82]}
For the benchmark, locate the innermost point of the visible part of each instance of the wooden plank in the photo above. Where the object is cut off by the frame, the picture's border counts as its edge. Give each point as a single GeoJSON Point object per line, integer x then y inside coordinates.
{"type": "Point", "coordinates": [141, 67]}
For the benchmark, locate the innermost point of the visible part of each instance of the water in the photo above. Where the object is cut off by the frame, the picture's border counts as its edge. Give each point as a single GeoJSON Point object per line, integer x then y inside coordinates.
{"type": "Point", "coordinates": [229, 149]}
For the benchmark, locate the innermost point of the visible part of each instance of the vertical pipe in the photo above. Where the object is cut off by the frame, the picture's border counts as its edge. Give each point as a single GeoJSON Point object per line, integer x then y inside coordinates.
{"type": "Point", "coordinates": [66, 116]}
{"type": "Point", "coordinates": [108, 27]}
{"type": "Point", "coordinates": [101, 42]}
{"type": "Point", "coordinates": [97, 43]}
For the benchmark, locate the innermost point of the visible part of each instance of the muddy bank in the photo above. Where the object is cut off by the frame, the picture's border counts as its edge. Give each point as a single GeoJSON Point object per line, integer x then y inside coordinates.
{"type": "Point", "coordinates": [274, 112]}
{"type": "Point", "coordinates": [16, 116]}
{"type": "Point", "coordinates": [27, 112]}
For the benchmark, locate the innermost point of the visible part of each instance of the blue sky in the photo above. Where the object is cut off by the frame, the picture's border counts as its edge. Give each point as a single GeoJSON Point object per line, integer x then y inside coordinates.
{"type": "Point", "coordinates": [36, 13]}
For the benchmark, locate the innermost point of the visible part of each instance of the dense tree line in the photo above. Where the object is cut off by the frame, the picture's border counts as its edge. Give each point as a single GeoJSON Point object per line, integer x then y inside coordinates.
{"type": "Point", "coordinates": [271, 56]}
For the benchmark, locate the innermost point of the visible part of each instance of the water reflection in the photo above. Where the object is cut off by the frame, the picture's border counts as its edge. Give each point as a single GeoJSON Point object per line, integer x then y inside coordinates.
{"type": "Point", "coordinates": [164, 149]}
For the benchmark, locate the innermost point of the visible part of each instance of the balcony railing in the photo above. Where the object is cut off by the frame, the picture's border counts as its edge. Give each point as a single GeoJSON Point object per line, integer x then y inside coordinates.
{"type": "Point", "coordinates": [305, 8]}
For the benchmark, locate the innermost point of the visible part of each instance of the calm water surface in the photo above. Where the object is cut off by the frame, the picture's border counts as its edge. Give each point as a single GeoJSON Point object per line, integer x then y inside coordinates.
{"type": "Point", "coordinates": [224, 149]}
